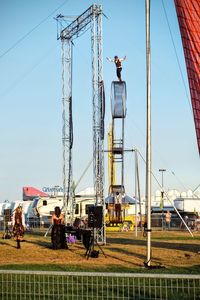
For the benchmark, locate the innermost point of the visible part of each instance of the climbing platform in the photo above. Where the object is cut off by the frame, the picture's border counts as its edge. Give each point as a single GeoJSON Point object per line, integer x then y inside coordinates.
{"type": "Point", "coordinates": [118, 99]}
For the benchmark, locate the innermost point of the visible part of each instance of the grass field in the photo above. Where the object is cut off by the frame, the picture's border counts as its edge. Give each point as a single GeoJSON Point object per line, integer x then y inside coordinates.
{"type": "Point", "coordinates": [176, 251]}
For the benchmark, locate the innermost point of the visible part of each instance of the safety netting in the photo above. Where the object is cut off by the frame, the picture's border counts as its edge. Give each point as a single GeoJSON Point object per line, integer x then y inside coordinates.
{"type": "Point", "coordinates": [188, 12]}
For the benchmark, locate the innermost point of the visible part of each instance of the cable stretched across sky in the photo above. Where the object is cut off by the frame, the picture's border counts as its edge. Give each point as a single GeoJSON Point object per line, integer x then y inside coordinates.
{"type": "Point", "coordinates": [33, 29]}
{"type": "Point", "coordinates": [178, 61]}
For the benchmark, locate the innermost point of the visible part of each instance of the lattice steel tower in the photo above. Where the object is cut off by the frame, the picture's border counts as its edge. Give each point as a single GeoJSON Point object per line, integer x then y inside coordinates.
{"type": "Point", "coordinates": [92, 16]}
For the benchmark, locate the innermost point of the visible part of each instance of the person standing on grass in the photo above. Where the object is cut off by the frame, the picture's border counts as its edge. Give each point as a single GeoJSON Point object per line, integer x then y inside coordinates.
{"type": "Point", "coordinates": [168, 217]}
{"type": "Point", "coordinates": [18, 225]}
{"type": "Point", "coordinates": [58, 238]}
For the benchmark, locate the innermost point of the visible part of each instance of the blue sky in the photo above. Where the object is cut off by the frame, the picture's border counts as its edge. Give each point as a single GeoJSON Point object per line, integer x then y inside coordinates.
{"type": "Point", "coordinates": [31, 92]}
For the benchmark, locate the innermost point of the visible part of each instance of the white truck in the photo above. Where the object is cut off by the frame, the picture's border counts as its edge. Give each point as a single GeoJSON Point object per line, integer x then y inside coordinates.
{"type": "Point", "coordinates": [187, 205]}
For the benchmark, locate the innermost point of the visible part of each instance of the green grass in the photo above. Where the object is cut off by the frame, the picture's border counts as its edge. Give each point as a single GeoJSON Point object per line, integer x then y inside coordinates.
{"type": "Point", "coordinates": [159, 241]}
{"type": "Point", "coordinates": [112, 269]}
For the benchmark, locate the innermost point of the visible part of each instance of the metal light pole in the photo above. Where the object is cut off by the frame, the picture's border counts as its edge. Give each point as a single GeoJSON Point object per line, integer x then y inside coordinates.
{"type": "Point", "coordinates": [162, 170]}
{"type": "Point", "coordinates": [148, 134]}
{"type": "Point", "coordinates": [162, 196]}
{"type": "Point", "coordinates": [136, 194]}
{"type": "Point", "coordinates": [162, 190]}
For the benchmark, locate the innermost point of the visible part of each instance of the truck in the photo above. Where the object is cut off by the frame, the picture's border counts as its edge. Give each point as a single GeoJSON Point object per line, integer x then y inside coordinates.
{"type": "Point", "coordinates": [188, 205]}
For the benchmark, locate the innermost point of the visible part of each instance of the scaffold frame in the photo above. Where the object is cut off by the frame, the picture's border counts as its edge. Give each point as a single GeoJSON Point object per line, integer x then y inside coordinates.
{"type": "Point", "coordinates": [92, 16]}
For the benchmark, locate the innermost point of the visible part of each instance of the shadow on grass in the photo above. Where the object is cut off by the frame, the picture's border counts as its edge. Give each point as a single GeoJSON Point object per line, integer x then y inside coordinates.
{"type": "Point", "coordinates": [13, 243]}
{"type": "Point", "coordinates": [157, 244]}
{"type": "Point", "coordinates": [127, 252]}
{"type": "Point", "coordinates": [155, 262]}
{"type": "Point", "coordinates": [48, 245]}
{"type": "Point", "coordinates": [104, 269]}
{"type": "Point", "coordinates": [122, 259]}
{"type": "Point", "coordinates": [40, 243]}
{"type": "Point", "coordinates": [178, 238]}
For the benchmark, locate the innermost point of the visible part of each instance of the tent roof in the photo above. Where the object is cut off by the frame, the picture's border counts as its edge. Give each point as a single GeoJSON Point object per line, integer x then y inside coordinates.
{"type": "Point", "coordinates": [29, 191]}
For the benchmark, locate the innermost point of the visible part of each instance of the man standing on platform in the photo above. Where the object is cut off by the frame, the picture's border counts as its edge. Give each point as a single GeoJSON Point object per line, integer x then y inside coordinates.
{"type": "Point", "coordinates": [118, 63]}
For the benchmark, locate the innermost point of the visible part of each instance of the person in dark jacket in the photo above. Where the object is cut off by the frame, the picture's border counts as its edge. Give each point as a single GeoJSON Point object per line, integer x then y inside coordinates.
{"type": "Point", "coordinates": [58, 238]}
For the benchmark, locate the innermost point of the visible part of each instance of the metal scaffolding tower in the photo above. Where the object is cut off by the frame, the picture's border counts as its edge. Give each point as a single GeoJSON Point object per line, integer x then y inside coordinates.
{"type": "Point", "coordinates": [92, 16]}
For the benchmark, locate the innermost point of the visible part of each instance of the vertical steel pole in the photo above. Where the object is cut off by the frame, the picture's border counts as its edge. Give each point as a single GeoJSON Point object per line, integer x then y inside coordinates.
{"type": "Point", "coordinates": [138, 182]}
{"type": "Point", "coordinates": [98, 143]}
{"type": "Point", "coordinates": [148, 136]}
{"type": "Point", "coordinates": [162, 190]}
{"type": "Point", "coordinates": [136, 194]}
{"type": "Point", "coordinates": [100, 104]}
{"type": "Point", "coordinates": [93, 44]}
{"type": "Point", "coordinates": [122, 170]}
{"type": "Point", "coordinates": [67, 120]}
{"type": "Point", "coordinates": [162, 177]}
